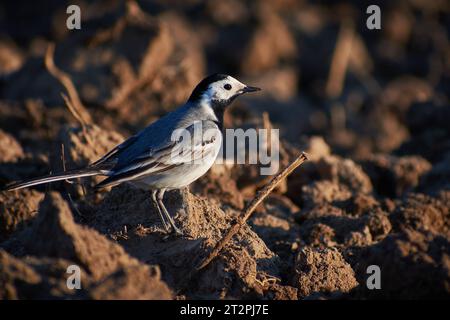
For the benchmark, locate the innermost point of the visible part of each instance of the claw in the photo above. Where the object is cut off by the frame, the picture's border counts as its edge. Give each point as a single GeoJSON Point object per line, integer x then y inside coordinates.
{"type": "Point", "coordinates": [177, 232]}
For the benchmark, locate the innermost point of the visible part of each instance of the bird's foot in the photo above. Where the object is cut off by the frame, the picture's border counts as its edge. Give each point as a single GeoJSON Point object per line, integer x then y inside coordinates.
{"type": "Point", "coordinates": [177, 232]}
{"type": "Point", "coordinates": [173, 233]}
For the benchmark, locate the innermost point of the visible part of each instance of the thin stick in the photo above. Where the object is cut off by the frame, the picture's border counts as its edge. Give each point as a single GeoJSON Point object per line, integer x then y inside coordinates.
{"type": "Point", "coordinates": [340, 60]}
{"type": "Point", "coordinates": [242, 219]}
{"type": "Point", "coordinates": [69, 182]}
{"type": "Point", "coordinates": [63, 159]}
{"type": "Point", "coordinates": [73, 102]}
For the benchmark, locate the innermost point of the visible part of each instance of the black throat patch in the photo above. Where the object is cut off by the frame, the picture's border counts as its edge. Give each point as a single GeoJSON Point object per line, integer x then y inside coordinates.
{"type": "Point", "coordinates": [218, 107]}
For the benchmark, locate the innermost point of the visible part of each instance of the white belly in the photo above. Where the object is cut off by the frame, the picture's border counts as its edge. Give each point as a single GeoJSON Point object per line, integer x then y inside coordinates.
{"type": "Point", "coordinates": [180, 176]}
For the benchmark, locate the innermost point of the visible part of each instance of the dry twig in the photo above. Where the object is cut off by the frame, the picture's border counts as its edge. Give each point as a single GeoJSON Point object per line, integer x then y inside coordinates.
{"type": "Point", "coordinates": [73, 100]}
{"type": "Point", "coordinates": [242, 219]}
{"type": "Point", "coordinates": [340, 60]}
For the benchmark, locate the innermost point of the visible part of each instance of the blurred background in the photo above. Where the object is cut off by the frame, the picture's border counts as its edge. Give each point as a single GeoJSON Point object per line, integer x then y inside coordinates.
{"type": "Point", "coordinates": [323, 72]}
{"type": "Point", "coordinates": [371, 107]}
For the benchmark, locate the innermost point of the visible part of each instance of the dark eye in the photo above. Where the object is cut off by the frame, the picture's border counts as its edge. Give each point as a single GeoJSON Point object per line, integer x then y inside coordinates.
{"type": "Point", "coordinates": [227, 86]}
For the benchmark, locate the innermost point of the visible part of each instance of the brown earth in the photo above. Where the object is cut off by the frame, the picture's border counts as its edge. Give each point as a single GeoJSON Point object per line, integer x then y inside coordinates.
{"type": "Point", "coordinates": [376, 190]}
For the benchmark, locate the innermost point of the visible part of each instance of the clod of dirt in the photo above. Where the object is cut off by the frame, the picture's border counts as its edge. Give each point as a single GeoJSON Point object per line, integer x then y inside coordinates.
{"type": "Point", "coordinates": [413, 265]}
{"type": "Point", "coordinates": [46, 278]}
{"type": "Point", "coordinates": [36, 278]}
{"type": "Point", "coordinates": [320, 235]}
{"type": "Point", "coordinates": [218, 183]}
{"type": "Point", "coordinates": [343, 176]}
{"type": "Point", "coordinates": [358, 238]}
{"type": "Point", "coordinates": [354, 221]}
{"type": "Point", "coordinates": [17, 209]}
{"type": "Point", "coordinates": [324, 191]}
{"type": "Point", "coordinates": [379, 225]}
{"type": "Point", "coordinates": [322, 271]}
{"type": "Point", "coordinates": [346, 172]}
{"type": "Point", "coordinates": [10, 149]}
{"type": "Point", "coordinates": [134, 282]}
{"type": "Point", "coordinates": [278, 234]}
{"type": "Point", "coordinates": [244, 267]}
{"type": "Point", "coordinates": [107, 271]}
{"type": "Point", "coordinates": [274, 222]}
{"type": "Point", "coordinates": [402, 92]}
{"type": "Point", "coordinates": [83, 147]}
{"type": "Point", "coordinates": [55, 234]}
{"type": "Point", "coordinates": [316, 148]}
{"type": "Point", "coordinates": [394, 176]}
{"type": "Point", "coordinates": [423, 213]}
{"type": "Point", "coordinates": [359, 204]}
{"type": "Point", "coordinates": [279, 292]}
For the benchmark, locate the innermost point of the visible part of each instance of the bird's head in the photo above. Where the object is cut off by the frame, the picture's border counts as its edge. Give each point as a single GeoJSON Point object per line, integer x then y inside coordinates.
{"type": "Point", "coordinates": [218, 91]}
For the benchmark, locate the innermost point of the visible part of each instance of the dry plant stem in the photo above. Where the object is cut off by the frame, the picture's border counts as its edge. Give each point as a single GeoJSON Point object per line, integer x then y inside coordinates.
{"type": "Point", "coordinates": [63, 159]}
{"type": "Point", "coordinates": [73, 102]}
{"type": "Point", "coordinates": [242, 219]}
{"type": "Point", "coordinates": [340, 60]}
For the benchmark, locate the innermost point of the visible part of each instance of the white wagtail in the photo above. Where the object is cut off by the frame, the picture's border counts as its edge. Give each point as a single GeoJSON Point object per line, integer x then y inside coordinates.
{"type": "Point", "coordinates": [153, 159]}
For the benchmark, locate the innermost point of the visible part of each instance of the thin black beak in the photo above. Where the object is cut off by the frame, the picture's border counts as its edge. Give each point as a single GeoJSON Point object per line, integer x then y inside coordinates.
{"type": "Point", "coordinates": [250, 89]}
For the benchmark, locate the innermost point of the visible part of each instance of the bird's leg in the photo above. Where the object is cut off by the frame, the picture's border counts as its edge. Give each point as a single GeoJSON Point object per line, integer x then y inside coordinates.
{"type": "Point", "coordinates": [166, 213]}
{"type": "Point", "coordinates": [161, 217]}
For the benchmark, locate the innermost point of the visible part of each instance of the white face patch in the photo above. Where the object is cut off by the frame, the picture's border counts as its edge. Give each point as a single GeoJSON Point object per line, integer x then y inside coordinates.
{"type": "Point", "coordinates": [224, 89]}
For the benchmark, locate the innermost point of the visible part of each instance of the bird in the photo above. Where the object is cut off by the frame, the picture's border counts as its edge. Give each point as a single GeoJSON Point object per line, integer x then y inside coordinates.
{"type": "Point", "coordinates": [168, 154]}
